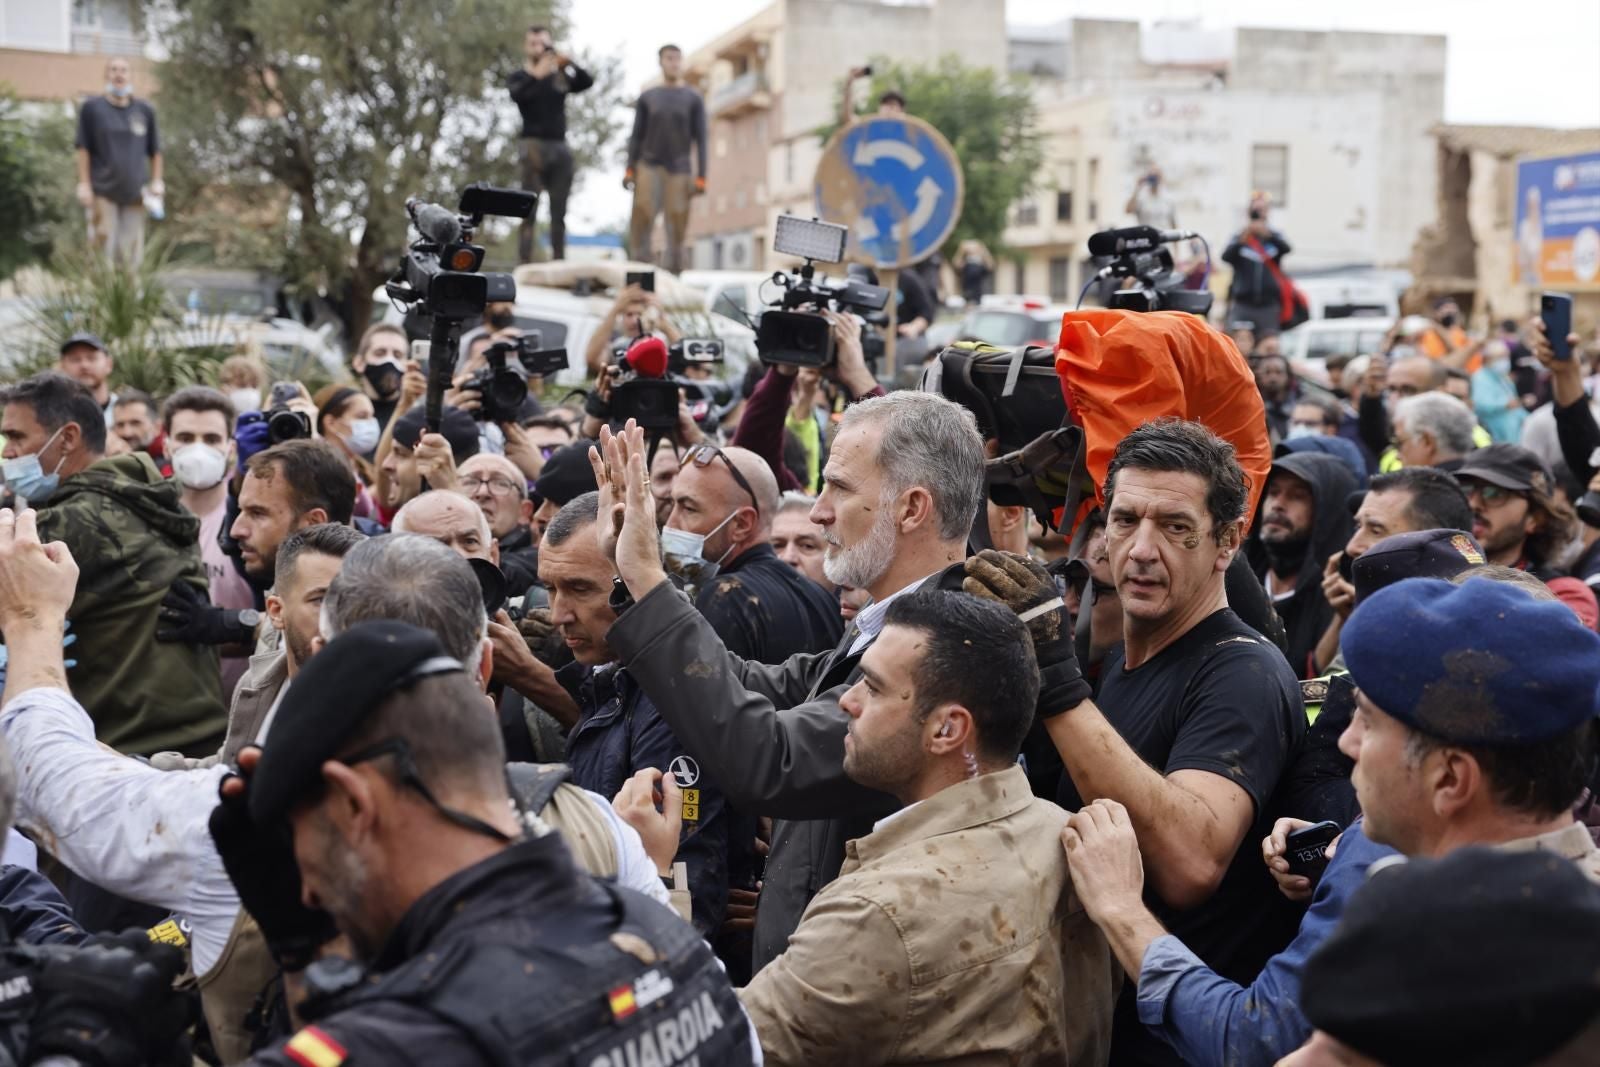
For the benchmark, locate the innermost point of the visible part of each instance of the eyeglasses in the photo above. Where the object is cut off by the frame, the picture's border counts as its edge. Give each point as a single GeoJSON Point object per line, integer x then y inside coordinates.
{"type": "Point", "coordinates": [702, 454]}
{"type": "Point", "coordinates": [498, 485]}
{"type": "Point", "coordinates": [1491, 495]}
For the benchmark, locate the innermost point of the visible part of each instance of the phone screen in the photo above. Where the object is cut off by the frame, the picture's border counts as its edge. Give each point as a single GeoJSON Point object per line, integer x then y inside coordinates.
{"type": "Point", "coordinates": [644, 279]}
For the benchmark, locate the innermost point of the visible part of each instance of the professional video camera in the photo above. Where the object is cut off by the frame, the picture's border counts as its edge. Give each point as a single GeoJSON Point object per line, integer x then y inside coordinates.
{"type": "Point", "coordinates": [1139, 253]}
{"type": "Point", "coordinates": [647, 381]}
{"type": "Point", "coordinates": [439, 274]}
{"type": "Point", "coordinates": [503, 385]}
{"type": "Point", "coordinates": [804, 338]}
{"type": "Point", "coordinates": [284, 424]}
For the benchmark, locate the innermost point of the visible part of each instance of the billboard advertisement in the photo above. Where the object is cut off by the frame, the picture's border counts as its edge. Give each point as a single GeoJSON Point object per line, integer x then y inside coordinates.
{"type": "Point", "coordinates": [1558, 222]}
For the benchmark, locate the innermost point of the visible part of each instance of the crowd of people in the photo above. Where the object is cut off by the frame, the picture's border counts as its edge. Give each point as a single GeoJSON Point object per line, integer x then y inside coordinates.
{"type": "Point", "coordinates": [373, 722]}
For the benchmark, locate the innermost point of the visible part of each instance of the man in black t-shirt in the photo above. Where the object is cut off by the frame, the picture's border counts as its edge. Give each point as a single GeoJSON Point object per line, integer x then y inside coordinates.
{"type": "Point", "coordinates": [540, 91]}
{"type": "Point", "coordinates": [1197, 715]}
{"type": "Point", "coordinates": [118, 158]}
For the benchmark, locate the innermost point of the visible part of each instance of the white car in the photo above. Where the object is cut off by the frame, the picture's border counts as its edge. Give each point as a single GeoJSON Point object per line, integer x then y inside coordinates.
{"type": "Point", "coordinates": [1310, 345]}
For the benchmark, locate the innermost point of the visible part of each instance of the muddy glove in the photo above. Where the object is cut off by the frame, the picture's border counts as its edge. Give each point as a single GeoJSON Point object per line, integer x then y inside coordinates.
{"type": "Point", "coordinates": [188, 617]}
{"type": "Point", "coordinates": [544, 639]}
{"type": "Point", "coordinates": [110, 1003]}
{"type": "Point", "coordinates": [1024, 586]}
{"type": "Point", "coordinates": [260, 862]}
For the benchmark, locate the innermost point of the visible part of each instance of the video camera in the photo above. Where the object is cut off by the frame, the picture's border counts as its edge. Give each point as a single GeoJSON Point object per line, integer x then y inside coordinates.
{"type": "Point", "coordinates": [284, 424]}
{"type": "Point", "coordinates": [647, 381]}
{"type": "Point", "coordinates": [1140, 253]}
{"type": "Point", "coordinates": [503, 385]}
{"type": "Point", "coordinates": [804, 338]}
{"type": "Point", "coordinates": [439, 274]}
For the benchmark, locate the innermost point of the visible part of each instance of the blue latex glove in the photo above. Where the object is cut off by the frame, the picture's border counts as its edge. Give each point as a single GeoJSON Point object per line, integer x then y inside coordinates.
{"type": "Point", "coordinates": [250, 434]}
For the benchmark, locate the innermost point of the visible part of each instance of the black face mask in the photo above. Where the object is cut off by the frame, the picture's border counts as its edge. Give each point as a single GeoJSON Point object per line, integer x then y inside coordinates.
{"type": "Point", "coordinates": [1448, 320]}
{"type": "Point", "coordinates": [499, 320]}
{"type": "Point", "coordinates": [383, 377]}
{"type": "Point", "coordinates": [1287, 558]}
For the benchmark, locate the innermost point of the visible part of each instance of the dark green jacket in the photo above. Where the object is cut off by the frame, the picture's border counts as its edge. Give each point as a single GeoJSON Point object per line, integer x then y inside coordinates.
{"type": "Point", "coordinates": [133, 541]}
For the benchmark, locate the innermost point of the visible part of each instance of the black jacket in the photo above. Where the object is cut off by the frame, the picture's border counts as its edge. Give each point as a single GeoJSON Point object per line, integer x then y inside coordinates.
{"type": "Point", "coordinates": [519, 561]}
{"type": "Point", "coordinates": [1252, 281]}
{"type": "Point", "coordinates": [765, 610]}
{"type": "Point", "coordinates": [1306, 614]}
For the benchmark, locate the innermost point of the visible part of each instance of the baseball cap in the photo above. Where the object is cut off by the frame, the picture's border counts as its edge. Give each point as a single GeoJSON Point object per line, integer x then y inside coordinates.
{"type": "Point", "coordinates": [329, 699]}
{"type": "Point", "coordinates": [1508, 466]}
{"type": "Point", "coordinates": [567, 474]}
{"type": "Point", "coordinates": [1484, 957]}
{"type": "Point", "coordinates": [82, 337]}
{"type": "Point", "coordinates": [457, 427]}
{"type": "Point", "coordinates": [1479, 663]}
{"type": "Point", "coordinates": [1422, 554]}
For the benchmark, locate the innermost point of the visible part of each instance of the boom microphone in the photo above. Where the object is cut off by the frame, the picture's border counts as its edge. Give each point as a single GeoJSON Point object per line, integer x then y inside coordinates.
{"type": "Point", "coordinates": [1134, 239]}
{"type": "Point", "coordinates": [439, 225]}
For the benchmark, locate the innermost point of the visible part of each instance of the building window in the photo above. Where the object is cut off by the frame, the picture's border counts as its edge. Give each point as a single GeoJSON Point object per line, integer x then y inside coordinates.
{"type": "Point", "coordinates": [1269, 171]}
{"type": "Point", "coordinates": [1064, 205]}
{"type": "Point", "coordinates": [1027, 213]}
{"type": "Point", "coordinates": [1059, 268]}
{"type": "Point", "coordinates": [1094, 189]}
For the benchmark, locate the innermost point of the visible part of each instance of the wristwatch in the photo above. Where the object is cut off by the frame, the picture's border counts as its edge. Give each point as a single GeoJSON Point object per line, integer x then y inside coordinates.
{"type": "Point", "coordinates": [249, 618]}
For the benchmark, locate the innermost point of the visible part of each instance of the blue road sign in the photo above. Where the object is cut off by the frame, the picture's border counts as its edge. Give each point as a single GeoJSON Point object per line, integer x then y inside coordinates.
{"type": "Point", "coordinates": [896, 182]}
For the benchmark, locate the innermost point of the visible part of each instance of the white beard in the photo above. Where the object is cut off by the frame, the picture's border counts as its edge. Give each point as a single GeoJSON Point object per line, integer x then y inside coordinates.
{"type": "Point", "coordinates": [860, 565]}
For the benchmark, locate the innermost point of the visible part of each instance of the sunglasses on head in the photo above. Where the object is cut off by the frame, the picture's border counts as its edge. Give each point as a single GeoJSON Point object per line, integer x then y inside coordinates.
{"type": "Point", "coordinates": [702, 454]}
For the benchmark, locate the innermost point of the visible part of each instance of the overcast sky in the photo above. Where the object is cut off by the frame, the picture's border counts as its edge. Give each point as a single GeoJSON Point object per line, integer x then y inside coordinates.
{"type": "Point", "coordinates": [1510, 62]}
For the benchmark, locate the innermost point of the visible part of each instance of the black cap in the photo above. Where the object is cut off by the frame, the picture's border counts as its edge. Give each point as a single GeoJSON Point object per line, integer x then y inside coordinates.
{"type": "Point", "coordinates": [458, 428]}
{"type": "Point", "coordinates": [82, 337]}
{"type": "Point", "coordinates": [567, 474]}
{"type": "Point", "coordinates": [1508, 466]}
{"type": "Point", "coordinates": [1423, 554]}
{"type": "Point", "coordinates": [329, 698]}
{"type": "Point", "coordinates": [1482, 957]}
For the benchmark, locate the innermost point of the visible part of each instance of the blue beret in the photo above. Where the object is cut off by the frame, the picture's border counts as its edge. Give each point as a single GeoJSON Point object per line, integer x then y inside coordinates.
{"type": "Point", "coordinates": [1481, 663]}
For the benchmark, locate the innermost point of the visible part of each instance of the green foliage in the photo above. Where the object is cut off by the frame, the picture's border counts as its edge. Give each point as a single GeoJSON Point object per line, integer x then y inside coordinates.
{"type": "Point", "coordinates": [296, 129]}
{"type": "Point", "coordinates": [132, 312]}
{"type": "Point", "coordinates": [36, 183]}
{"type": "Point", "coordinates": [989, 119]}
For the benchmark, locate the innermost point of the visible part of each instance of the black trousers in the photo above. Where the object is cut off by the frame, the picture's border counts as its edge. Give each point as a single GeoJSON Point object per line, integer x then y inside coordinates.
{"type": "Point", "coordinates": [546, 168]}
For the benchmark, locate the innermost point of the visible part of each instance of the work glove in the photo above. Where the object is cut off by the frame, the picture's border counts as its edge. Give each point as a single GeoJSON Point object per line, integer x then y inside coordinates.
{"type": "Point", "coordinates": [1023, 585]}
{"type": "Point", "coordinates": [110, 1003]}
{"type": "Point", "coordinates": [189, 618]}
{"type": "Point", "coordinates": [260, 862]}
{"type": "Point", "coordinates": [250, 436]}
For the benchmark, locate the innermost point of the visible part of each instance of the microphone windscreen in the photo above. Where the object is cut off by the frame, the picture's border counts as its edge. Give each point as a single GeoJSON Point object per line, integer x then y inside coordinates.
{"type": "Point", "coordinates": [648, 357]}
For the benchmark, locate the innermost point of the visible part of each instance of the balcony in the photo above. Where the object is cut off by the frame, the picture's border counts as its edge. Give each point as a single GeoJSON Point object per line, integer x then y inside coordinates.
{"type": "Point", "coordinates": [748, 92]}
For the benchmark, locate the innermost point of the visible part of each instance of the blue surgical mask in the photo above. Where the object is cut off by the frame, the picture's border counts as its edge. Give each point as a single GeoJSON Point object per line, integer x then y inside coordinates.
{"type": "Point", "coordinates": [1501, 366]}
{"type": "Point", "coordinates": [364, 434]}
{"type": "Point", "coordinates": [119, 91]}
{"type": "Point", "coordinates": [26, 478]}
{"type": "Point", "coordinates": [1300, 429]}
{"type": "Point", "coordinates": [683, 552]}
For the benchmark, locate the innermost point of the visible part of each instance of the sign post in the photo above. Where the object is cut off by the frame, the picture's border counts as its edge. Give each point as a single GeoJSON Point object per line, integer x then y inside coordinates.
{"type": "Point", "coordinates": [896, 182]}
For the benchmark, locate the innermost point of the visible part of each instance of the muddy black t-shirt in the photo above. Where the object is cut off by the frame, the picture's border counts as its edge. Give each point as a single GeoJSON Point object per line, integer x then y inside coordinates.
{"type": "Point", "coordinates": [1220, 699]}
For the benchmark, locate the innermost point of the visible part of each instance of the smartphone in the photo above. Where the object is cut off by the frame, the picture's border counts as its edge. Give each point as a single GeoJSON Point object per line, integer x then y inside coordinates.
{"type": "Point", "coordinates": [1307, 850]}
{"type": "Point", "coordinates": [646, 280]}
{"type": "Point", "coordinates": [1556, 311]}
{"type": "Point", "coordinates": [420, 351]}
{"type": "Point", "coordinates": [1347, 567]}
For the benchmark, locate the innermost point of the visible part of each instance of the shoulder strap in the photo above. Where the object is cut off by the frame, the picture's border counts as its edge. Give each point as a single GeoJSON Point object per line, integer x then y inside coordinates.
{"type": "Point", "coordinates": [533, 784]}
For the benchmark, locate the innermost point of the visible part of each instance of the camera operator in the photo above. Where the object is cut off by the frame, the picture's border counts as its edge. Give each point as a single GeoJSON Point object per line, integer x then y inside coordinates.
{"type": "Point", "coordinates": [900, 492]}
{"type": "Point", "coordinates": [636, 312]}
{"type": "Point", "coordinates": [415, 456]}
{"type": "Point", "coordinates": [540, 92]}
{"type": "Point", "coordinates": [1253, 294]}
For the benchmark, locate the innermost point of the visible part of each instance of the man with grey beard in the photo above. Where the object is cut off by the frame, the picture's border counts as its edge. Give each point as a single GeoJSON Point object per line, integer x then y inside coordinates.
{"type": "Point", "coordinates": [900, 490]}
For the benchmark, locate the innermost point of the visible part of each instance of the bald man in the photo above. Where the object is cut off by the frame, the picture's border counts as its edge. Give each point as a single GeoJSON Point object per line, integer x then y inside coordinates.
{"type": "Point", "coordinates": [719, 531]}
{"type": "Point", "coordinates": [499, 487]}
{"type": "Point", "coordinates": [452, 520]}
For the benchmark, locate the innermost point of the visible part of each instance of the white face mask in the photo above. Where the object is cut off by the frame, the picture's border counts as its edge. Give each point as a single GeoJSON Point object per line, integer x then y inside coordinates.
{"type": "Point", "coordinates": [199, 466]}
{"type": "Point", "coordinates": [244, 400]}
{"type": "Point", "coordinates": [1300, 429]}
{"type": "Point", "coordinates": [364, 434]}
{"type": "Point", "coordinates": [684, 552]}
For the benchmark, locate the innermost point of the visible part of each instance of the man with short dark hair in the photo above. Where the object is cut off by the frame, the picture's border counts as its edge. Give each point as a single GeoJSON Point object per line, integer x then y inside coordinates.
{"type": "Point", "coordinates": [133, 418]}
{"type": "Point", "coordinates": [381, 365]}
{"type": "Point", "coordinates": [1197, 716]}
{"type": "Point", "coordinates": [416, 456]}
{"type": "Point", "coordinates": [540, 91]}
{"type": "Point", "coordinates": [717, 537]}
{"type": "Point", "coordinates": [937, 718]}
{"type": "Point", "coordinates": [135, 542]}
{"type": "Point", "coordinates": [290, 485]}
{"type": "Point", "coordinates": [1437, 772]}
{"type": "Point", "coordinates": [1314, 417]}
{"type": "Point", "coordinates": [666, 163]}
{"type": "Point", "coordinates": [619, 731]}
{"type": "Point", "coordinates": [1275, 383]}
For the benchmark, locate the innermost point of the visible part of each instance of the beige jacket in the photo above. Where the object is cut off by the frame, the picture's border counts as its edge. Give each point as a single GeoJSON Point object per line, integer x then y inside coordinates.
{"type": "Point", "coordinates": [952, 935]}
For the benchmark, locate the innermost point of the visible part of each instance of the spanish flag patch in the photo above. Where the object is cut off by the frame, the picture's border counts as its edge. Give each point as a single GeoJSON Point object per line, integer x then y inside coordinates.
{"type": "Point", "coordinates": [312, 1047]}
{"type": "Point", "coordinates": [622, 1003]}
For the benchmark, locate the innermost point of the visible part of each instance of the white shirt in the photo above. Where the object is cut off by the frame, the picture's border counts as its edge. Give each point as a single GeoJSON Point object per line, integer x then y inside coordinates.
{"type": "Point", "coordinates": [869, 620]}
{"type": "Point", "coordinates": [145, 834]}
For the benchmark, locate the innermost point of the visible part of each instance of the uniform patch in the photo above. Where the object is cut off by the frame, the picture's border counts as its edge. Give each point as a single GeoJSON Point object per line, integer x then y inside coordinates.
{"type": "Point", "coordinates": [1314, 690]}
{"type": "Point", "coordinates": [312, 1047]}
{"type": "Point", "coordinates": [623, 1003]}
{"type": "Point", "coordinates": [691, 805]}
{"type": "Point", "coordinates": [685, 770]}
{"type": "Point", "coordinates": [169, 933]}
{"type": "Point", "coordinates": [1469, 552]}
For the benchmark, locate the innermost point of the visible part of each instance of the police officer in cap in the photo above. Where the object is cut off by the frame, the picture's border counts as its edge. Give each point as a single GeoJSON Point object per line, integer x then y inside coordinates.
{"type": "Point", "coordinates": [379, 810]}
